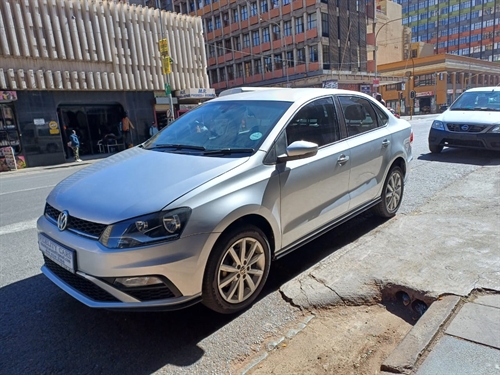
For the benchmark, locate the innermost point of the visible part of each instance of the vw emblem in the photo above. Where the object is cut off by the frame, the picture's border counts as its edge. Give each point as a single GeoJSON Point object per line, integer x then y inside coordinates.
{"type": "Point", "coordinates": [464, 127]}
{"type": "Point", "coordinates": [62, 220]}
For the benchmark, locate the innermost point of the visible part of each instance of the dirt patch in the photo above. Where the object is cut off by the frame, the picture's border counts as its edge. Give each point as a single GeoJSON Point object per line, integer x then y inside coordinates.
{"type": "Point", "coordinates": [341, 340]}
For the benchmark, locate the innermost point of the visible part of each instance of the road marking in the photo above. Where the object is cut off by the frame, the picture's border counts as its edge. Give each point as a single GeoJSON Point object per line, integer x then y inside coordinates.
{"type": "Point", "coordinates": [18, 227]}
{"type": "Point", "coordinates": [20, 191]}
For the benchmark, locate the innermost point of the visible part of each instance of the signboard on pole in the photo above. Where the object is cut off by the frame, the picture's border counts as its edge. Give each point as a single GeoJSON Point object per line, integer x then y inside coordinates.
{"type": "Point", "coordinates": [376, 82]}
{"type": "Point", "coordinates": [163, 47]}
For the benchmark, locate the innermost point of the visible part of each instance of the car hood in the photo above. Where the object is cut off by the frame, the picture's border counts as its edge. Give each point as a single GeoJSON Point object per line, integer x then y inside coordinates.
{"type": "Point", "coordinates": [475, 117]}
{"type": "Point", "coordinates": [134, 182]}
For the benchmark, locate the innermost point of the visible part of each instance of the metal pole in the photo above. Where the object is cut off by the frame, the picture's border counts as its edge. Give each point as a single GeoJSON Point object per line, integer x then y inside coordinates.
{"type": "Point", "coordinates": [167, 81]}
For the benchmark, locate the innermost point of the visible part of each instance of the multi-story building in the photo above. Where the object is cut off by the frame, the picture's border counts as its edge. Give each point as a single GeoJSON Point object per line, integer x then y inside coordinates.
{"type": "Point", "coordinates": [83, 66]}
{"type": "Point", "coordinates": [460, 27]}
{"type": "Point", "coordinates": [289, 42]}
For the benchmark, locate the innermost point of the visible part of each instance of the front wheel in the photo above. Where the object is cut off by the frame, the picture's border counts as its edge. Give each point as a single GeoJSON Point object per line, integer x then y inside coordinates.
{"type": "Point", "coordinates": [435, 149]}
{"type": "Point", "coordinates": [392, 194]}
{"type": "Point", "coordinates": [237, 270]}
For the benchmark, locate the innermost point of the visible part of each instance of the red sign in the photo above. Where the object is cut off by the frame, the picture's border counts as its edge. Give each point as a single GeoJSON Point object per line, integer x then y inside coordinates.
{"type": "Point", "coordinates": [425, 93]}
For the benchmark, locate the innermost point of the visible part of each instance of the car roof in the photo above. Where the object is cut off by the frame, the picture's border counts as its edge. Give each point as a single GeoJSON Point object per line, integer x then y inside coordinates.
{"type": "Point", "coordinates": [237, 90]}
{"type": "Point", "coordinates": [483, 89]}
{"type": "Point", "coordinates": [287, 94]}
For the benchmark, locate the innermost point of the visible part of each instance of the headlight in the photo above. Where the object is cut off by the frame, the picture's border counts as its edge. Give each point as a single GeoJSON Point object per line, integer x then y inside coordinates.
{"type": "Point", "coordinates": [438, 125]}
{"type": "Point", "coordinates": [496, 129]}
{"type": "Point", "coordinates": [146, 230]}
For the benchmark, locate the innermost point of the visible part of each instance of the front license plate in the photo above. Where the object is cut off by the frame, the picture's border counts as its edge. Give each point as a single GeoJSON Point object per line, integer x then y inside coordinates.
{"type": "Point", "coordinates": [59, 254]}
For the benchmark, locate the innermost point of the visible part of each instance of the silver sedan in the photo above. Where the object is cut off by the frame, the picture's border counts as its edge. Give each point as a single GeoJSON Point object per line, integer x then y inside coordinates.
{"type": "Point", "coordinates": [199, 211]}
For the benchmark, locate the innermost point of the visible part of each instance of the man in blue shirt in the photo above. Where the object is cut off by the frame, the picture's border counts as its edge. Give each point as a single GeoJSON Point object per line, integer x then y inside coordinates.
{"type": "Point", "coordinates": [75, 145]}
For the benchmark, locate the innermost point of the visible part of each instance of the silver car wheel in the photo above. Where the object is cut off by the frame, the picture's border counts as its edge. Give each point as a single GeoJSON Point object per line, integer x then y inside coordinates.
{"type": "Point", "coordinates": [241, 270]}
{"type": "Point", "coordinates": [393, 192]}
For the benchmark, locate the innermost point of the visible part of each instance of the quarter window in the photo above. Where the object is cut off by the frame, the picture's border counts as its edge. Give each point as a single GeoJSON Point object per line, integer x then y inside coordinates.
{"type": "Point", "coordinates": [360, 116]}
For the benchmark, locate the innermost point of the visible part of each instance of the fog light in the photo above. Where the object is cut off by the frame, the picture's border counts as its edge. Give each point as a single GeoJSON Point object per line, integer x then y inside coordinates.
{"type": "Point", "coordinates": [131, 282]}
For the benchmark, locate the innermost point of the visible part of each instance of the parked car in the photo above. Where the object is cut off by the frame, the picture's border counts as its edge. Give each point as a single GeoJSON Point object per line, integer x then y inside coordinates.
{"type": "Point", "coordinates": [472, 121]}
{"type": "Point", "coordinates": [199, 211]}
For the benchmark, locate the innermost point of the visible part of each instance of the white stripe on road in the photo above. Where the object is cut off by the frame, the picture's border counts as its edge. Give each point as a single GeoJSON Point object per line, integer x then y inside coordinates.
{"type": "Point", "coordinates": [20, 191]}
{"type": "Point", "coordinates": [18, 227]}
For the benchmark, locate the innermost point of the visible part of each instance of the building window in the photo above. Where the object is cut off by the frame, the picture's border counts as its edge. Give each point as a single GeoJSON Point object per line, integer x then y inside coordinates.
{"type": "Point", "coordinates": [239, 70]}
{"type": "Point", "coordinates": [313, 53]}
{"type": "Point", "coordinates": [191, 6]}
{"type": "Point", "coordinates": [246, 40]}
{"type": "Point", "coordinates": [268, 64]}
{"type": "Point", "coordinates": [248, 69]}
{"type": "Point", "coordinates": [255, 38]}
{"type": "Point", "coordinates": [210, 25]}
{"type": "Point", "coordinates": [219, 48]}
{"type": "Point", "coordinates": [211, 50]}
{"type": "Point", "coordinates": [225, 19]}
{"type": "Point", "coordinates": [244, 12]}
{"type": "Point", "coordinates": [299, 25]}
{"type": "Point", "coordinates": [237, 43]}
{"type": "Point", "coordinates": [257, 64]}
{"type": "Point", "coordinates": [213, 76]}
{"type": "Point", "coordinates": [276, 32]}
{"type": "Point", "coordinates": [288, 28]}
{"type": "Point", "coordinates": [326, 57]}
{"type": "Point", "coordinates": [325, 29]}
{"type": "Point", "coordinates": [275, 3]}
{"type": "Point", "coordinates": [227, 45]}
{"type": "Point", "coordinates": [265, 35]}
{"type": "Point", "coordinates": [286, 2]}
{"type": "Point", "coordinates": [311, 21]}
{"type": "Point", "coordinates": [222, 74]}
{"type": "Point", "coordinates": [289, 59]}
{"type": "Point", "coordinates": [253, 9]}
{"type": "Point", "coordinates": [217, 22]}
{"type": "Point", "coordinates": [230, 72]}
{"type": "Point", "coordinates": [278, 62]}
{"type": "Point", "coordinates": [263, 6]}
{"type": "Point", "coordinates": [301, 56]}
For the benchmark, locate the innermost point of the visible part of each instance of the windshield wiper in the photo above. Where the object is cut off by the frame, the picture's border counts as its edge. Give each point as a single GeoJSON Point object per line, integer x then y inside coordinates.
{"type": "Point", "coordinates": [227, 151]}
{"type": "Point", "coordinates": [180, 147]}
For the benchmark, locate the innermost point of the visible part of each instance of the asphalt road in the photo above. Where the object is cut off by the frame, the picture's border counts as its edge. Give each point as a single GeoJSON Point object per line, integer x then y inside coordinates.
{"type": "Point", "coordinates": [42, 330]}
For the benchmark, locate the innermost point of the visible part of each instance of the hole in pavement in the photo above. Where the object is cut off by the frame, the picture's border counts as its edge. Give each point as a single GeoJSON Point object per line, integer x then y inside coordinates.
{"type": "Point", "coordinates": [408, 304]}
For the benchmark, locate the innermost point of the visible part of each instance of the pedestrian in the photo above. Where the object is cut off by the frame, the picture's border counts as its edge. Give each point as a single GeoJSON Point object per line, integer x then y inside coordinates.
{"type": "Point", "coordinates": [126, 125]}
{"type": "Point", "coordinates": [153, 130]}
{"type": "Point", "coordinates": [379, 98]}
{"type": "Point", "coordinates": [74, 143]}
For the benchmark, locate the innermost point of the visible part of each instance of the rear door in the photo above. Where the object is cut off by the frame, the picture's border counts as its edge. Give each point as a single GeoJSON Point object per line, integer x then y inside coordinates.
{"type": "Point", "coordinates": [369, 140]}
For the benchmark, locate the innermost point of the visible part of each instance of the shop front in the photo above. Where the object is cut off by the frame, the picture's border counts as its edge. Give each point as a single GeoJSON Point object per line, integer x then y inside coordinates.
{"type": "Point", "coordinates": [191, 98]}
{"type": "Point", "coordinates": [10, 144]}
{"type": "Point", "coordinates": [47, 118]}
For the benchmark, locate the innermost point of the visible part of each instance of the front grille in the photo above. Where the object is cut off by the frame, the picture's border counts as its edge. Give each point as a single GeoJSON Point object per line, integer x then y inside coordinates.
{"type": "Point", "coordinates": [151, 293]}
{"type": "Point", "coordinates": [457, 128]}
{"type": "Point", "coordinates": [462, 143]}
{"type": "Point", "coordinates": [78, 226]}
{"type": "Point", "coordinates": [79, 283]}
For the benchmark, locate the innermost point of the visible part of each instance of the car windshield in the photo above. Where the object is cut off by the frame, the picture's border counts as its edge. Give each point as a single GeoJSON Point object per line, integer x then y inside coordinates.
{"type": "Point", "coordinates": [477, 101]}
{"type": "Point", "coordinates": [220, 128]}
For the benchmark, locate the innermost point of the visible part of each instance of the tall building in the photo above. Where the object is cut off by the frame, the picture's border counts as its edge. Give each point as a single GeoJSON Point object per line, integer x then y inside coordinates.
{"type": "Point", "coordinates": [459, 27]}
{"type": "Point", "coordinates": [283, 42]}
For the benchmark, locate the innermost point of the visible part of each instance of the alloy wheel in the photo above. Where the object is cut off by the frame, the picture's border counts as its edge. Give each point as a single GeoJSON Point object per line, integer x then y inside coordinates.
{"type": "Point", "coordinates": [393, 192]}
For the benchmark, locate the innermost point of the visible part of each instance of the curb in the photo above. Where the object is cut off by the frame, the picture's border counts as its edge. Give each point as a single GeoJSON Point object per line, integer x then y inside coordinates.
{"type": "Point", "coordinates": [403, 358]}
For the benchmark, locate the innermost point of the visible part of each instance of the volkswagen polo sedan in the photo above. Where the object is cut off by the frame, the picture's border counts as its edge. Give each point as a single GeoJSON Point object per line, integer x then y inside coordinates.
{"type": "Point", "coordinates": [199, 211]}
{"type": "Point", "coordinates": [472, 121]}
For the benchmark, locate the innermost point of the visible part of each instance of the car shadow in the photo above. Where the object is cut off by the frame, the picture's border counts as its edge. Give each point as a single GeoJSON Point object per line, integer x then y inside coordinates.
{"type": "Point", "coordinates": [49, 331]}
{"type": "Point", "coordinates": [464, 156]}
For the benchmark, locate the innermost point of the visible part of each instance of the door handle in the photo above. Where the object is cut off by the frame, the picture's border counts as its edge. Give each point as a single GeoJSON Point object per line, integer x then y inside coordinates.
{"type": "Point", "coordinates": [386, 143]}
{"type": "Point", "coordinates": [342, 159]}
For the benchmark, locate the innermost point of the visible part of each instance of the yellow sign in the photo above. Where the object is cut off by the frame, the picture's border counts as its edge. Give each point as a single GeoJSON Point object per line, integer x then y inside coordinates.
{"type": "Point", "coordinates": [166, 65]}
{"type": "Point", "coordinates": [164, 47]}
{"type": "Point", "coordinates": [54, 127]}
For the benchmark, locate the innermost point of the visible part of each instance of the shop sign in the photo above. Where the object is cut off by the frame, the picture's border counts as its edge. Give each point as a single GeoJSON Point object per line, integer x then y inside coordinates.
{"type": "Point", "coordinates": [365, 89]}
{"type": "Point", "coordinates": [39, 121]}
{"type": "Point", "coordinates": [9, 158]}
{"type": "Point", "coordinates": [8, 96]}
{"type": "Point", "coordinates": [425, 93]}
{"type": "Point", "coordinates": [196, 93]}
{"type": "Point", "coordinates": [331, 84]}
{"type": "Point", "coordinates": [449, 91]}
{"type": "Point", "coordinates": [187, 106]}
{"type": "Point", "coordinates": [53, 127]}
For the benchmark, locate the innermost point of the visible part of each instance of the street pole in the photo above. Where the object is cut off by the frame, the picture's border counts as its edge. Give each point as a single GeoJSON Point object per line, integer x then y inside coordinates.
{"type": "Point", "coordinates": [168, 88]}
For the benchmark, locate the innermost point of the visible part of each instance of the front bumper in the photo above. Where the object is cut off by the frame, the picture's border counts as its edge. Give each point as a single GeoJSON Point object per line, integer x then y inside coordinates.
{"type": "Point", "coordinates": [486, 141]}
{"type": "Point", "coordinates": [179, 264]}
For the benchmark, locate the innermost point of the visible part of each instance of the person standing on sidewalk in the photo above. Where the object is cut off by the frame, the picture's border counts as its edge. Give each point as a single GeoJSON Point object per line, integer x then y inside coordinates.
{"type": "Point", "coordinates": [153, 130]}
{"type": "Point", "coordinates": [74, 143]}
{"type": "Point", "coordinates": [126, 127]}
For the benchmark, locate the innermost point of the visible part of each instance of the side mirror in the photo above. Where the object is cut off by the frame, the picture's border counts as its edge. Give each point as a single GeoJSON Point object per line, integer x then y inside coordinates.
{"type": "Point", "coordinates": [299, 150]}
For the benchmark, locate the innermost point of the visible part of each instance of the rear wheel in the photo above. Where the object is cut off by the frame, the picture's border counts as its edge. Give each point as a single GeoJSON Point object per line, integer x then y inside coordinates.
{"type": "Point", "coordinates": [392, 194]}
{"type": "Point", "coordinates": [237, 270]}
{"type": "Point", "coordinates": [435, 149]}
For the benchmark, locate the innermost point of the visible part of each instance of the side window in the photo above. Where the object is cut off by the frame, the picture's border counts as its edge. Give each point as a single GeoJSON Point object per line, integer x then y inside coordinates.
{"type": "Point", "coordinates": [383, 118]}
{"type": "Point", "coordinates": [359, 114]}
{"type": "Point", "coordinates": [316, 122]}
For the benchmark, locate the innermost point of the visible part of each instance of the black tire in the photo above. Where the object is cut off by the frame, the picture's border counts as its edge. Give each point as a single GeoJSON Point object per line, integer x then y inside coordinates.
{"type": "Point", "coordinates": [229, 290]}
{"type": "Point", "coordinates": [435, 149]}
{"type": "Point", "coordinates": [392, 194]}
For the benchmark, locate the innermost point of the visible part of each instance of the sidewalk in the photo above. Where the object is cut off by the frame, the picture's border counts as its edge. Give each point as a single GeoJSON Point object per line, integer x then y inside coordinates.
{"type": "Point", "coordinates": [453, 337]}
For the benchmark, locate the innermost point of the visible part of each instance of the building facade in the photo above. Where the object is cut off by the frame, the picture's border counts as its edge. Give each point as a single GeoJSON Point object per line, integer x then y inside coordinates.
{"type": "Point", "coordinates": [298, 43]}
{"type": "Point", "coordinates": [80, 65]}
{"type": "Point", "coordinates": [460, 27]}
{"type": "Point", "coordinates": [436, 81]}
